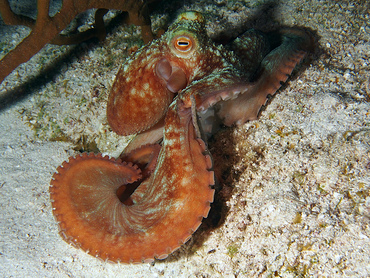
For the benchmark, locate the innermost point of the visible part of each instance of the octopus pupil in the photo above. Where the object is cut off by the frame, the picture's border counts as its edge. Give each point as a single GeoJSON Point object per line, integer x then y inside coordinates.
{"type": "Point", "coordinates": [182, 43]}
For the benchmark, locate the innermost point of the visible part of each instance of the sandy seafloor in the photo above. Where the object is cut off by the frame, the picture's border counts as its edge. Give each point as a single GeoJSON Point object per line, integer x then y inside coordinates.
{"type": "Point", "coordinates": [295, 198]}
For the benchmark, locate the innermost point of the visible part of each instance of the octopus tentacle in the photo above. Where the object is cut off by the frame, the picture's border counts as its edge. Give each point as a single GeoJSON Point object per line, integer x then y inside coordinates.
{"type": "Point", "coordinates": [211, 91]}
{"type": "Point", "coordinates": [144, 157]}
{"type": "Point", "coordinates": [275, 69]}
{"type": "Point", "coordinates": [221, 85]}
{"type": "Point", "coordinates": [177, 194]}
{"type": "Point", "coordinates": [84, 200]}
{"type": "Point", "coordinates": [150, 136]}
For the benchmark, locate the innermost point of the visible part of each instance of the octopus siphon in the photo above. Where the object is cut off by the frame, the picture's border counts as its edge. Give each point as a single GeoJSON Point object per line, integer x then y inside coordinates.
{"type": "Point", "coordinates": [148, 202]}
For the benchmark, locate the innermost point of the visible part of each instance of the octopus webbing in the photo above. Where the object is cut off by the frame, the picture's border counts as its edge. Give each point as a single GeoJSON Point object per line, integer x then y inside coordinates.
{"type": "Point", "coordinates": [149, 201]}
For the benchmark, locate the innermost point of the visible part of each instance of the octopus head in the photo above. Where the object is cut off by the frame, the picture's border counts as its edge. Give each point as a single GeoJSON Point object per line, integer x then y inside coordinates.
{"type": "Point", "coordinates": [147, 83]}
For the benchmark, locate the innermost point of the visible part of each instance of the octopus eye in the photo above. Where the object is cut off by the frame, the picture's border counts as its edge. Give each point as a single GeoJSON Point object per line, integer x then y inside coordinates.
{"type": "Point", "coordinates": [183, 44]}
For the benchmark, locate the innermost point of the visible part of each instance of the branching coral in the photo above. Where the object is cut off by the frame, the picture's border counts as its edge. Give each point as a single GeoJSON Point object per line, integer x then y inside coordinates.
{"type": "Point", "coordinates": [46, 29]}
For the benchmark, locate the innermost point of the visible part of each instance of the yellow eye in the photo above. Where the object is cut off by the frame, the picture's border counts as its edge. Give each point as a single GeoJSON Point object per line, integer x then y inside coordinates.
{"type": "Point", "coordinates": [183, 44]}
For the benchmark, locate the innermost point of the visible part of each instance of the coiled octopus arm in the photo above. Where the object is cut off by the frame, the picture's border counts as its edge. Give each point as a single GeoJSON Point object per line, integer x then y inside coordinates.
{"type": "Point", "coordinates": [162, 216]}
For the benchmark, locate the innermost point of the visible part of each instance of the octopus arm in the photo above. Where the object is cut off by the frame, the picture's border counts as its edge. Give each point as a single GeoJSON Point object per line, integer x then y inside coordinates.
{"type": "Point", "coordinates": [275, 69]}
{"type": "Point", "coordinates": [179, 190]}
{"type": "Point", "coordinates": [164, 210]}
{"type": "Point", "coordinates": [83, 194]}
{"type": "Point", "coordinates": [150, 136]}
{"type": "Point", "coordinates": [144, 157]}
{"type": "Point", "coordinates": [221, 85]}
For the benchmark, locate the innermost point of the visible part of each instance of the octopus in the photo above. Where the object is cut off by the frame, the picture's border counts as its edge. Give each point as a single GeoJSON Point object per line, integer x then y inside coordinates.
{"type": "Point", "coordinates": [148, 202]}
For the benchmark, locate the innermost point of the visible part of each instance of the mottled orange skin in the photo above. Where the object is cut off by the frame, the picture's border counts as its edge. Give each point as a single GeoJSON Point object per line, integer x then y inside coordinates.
{"type": "Point", "coordinates": [139, 97]}
{"type": "Point", "coordinates": [169, 205]}
{"type": "Point", "coordinates": [121, 213]}
{"type": "Point", "coordinates": [152, 227]}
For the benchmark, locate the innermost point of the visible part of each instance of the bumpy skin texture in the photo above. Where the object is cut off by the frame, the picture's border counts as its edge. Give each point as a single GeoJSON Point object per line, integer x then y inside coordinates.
{"type": "Point", "coordinates": [145, 85]}
{"type": "Point", "coordinates": [126, 213]}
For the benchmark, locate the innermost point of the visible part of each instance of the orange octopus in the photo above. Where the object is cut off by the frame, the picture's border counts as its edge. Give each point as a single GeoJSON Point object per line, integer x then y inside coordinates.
{"type": "Point", "coordinates": [147, 203]}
